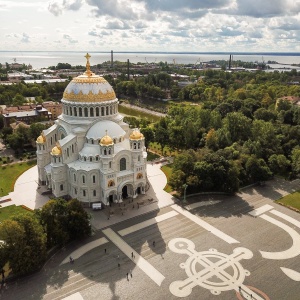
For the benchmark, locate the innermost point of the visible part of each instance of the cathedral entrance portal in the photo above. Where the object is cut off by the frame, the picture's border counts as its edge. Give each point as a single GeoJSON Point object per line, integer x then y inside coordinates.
{"type": "Point", "coordinates": [138, 190]}
{"type": "Point", "coordinates": [124, 192]}
{"type": "Point", "coordinates": [110, 199]}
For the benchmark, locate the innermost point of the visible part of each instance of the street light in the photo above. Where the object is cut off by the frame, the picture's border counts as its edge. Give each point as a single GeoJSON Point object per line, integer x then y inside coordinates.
{"type": "Point", "coordinates": [184, 193]}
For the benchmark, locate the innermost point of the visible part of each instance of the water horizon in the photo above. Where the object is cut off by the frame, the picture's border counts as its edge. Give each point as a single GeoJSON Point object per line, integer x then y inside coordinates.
{"type": "Point", "coordinates": [45, 59]}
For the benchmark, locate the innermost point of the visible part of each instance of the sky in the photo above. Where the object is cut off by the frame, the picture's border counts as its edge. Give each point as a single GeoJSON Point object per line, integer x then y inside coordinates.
{"type": "Point", "coordinates": [150, 25]}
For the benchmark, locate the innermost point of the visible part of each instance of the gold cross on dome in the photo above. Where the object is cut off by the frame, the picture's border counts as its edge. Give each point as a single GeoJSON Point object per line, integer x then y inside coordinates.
{"type": "Point", "coordinates": [88, 70]}
{"type": "Point", "coordinates": [87, 56]}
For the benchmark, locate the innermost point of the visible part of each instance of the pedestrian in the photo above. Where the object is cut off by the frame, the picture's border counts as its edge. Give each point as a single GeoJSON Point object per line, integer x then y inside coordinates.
{"type": "Point", "coordinates": [130, 273]}
{"type": "Point", "coordinates": [127, 277]}
{"type": "Point", "coordinates": [251, 296]}
{"type": "Point", "coordinates": [119, 266]}
{"type": "Point", "coordinates": [153, 243]}
{"type": "Point", "coordinates": [107, 218]}
{"type": "Point", "coordinates": [240, 288]}
{"type": "Point", "coordinates": [71, 259]}
{"type": "Point", "coordinates": [131, 254]}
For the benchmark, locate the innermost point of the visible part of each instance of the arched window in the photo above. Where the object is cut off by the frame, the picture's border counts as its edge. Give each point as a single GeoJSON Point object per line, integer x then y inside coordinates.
{"type": "Point", "coordinates": [84, 193]}
{"type": "Point", "coordinates": [91, 111]}
{"type": "Point", "coordinates": [94, 179]}
{"type": "Point", "coordinates": [110, 110]}
{"type": "Point", "coordinates": [109, 164]}
{"type": "Point", "coordinates": [97, 111]}
{"type": "Point", "coordinates": [61, 187]}
{"type": "Point", "coordinates": [122, 164]}
{"type": "Point", "coordinates": [104, 151]}
{"type": "Point", "coordinates": [75, 111]}
{"type": "Point", "coordinates": [139, 158]}
{"type": "Point", "coordinates": [86, 113]}
{"type": "Point", "coordinates": [72, 148]}
{"type": "Point", "coordinates": [102, 111]}
{"type": "Point", "coordinates": [91, 158]}
{"type": "Point", "coordinates": [68, 153]}
{"type": "Point", "coordinates": [94, 193]}
{"type": "Point", "coordinates": [107, 110]}
{"type": "Point", "coordinates": [83, 179]}
{"type": "Point", "coordinates": [74, 176]}
{"type": "Point", "coordinates": [80, 112]}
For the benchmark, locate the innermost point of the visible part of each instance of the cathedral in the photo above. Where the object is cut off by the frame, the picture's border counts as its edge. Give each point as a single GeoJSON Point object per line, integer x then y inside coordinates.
{"type": "Point", "coordinates": [90, 153]}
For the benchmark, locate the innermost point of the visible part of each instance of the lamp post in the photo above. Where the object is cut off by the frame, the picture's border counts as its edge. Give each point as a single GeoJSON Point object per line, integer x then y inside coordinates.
{"type": "Point", "coordinates": [184, 193]}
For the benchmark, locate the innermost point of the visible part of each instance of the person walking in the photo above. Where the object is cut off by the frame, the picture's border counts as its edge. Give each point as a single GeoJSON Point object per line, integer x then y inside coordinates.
{"type": "Point", "coordinates": [130, 273]}
{"type": "Point", "coordinates": [127, 277]}
{"type": "Point", "coordinates": [153, 243]}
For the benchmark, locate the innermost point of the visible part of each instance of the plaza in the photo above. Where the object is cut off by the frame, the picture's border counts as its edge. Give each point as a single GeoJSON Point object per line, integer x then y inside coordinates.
{"type": "Point", "coordinates": [221, 247]}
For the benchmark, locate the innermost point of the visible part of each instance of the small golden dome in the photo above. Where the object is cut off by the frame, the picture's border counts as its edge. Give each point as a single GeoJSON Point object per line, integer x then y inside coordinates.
{"type": "Point", "coordinates": [136, 135]}
{"type": "Point", "coordinates": [41, 139]}
{"type": "Point", "coordinates": [56, 150]}
{"type": "Point", "coordinates": [106, 141]}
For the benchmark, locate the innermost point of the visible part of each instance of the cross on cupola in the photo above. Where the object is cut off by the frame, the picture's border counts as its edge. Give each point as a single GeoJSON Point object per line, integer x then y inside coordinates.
{"type": "Point", "coordinates": [88, 66]}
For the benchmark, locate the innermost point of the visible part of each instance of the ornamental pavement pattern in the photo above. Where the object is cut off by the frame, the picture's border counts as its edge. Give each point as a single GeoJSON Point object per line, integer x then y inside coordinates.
{"type": "Point", "coordinates": [211, 269]}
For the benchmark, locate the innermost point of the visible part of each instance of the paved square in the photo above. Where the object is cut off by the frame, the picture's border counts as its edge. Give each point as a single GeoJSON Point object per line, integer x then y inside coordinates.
{"type": "Point", "coordinates": [225, 249]}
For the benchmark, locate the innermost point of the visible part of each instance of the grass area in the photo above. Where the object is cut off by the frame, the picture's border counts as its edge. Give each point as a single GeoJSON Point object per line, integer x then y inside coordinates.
{"type": "Point", "coordinates": [10, 173]}
{"type": "Point", "coordinates": [167, 169]}
{"type": "Point", "coordinates": [152, 156]}
{"type": "Point", "coordinates": [12, 210]}
{"type": "Point", "coordinates": [291, 200]}
{"type": "Point", "coordinates": [138, 114]}
{"type": "Point", "coordinates": [157, 148]}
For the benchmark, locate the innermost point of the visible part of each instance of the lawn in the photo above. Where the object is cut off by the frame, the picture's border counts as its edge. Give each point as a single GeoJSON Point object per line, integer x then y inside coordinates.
{"type": "Point", "coordinates": [167, 169]}
{"type": "Point", "coordinates": [291, 200]}
{"type": "Point", "coordinates": [11, 210]}
{"type": "Point", "coordinates": [10, 173]}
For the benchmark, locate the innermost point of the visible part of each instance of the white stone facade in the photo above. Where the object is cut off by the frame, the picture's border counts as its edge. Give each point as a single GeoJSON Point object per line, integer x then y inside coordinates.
{"type": "Point", "coordinates": [90, 153]}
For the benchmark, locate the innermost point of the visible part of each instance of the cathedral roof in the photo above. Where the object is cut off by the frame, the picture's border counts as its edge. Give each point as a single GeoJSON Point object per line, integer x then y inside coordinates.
{"type": "Point", "coordinates": [106, 141]}
{"type": "Point", "coordinates": [56, 150]}
{"type": "Point", "coordinates": [89, 87]}
{"type": "Point", "coordinates": [136, 135]}
{"type": "Point", "coordinates": [41, 139]}
{"type": "Point", "coordinates": [99, 129]}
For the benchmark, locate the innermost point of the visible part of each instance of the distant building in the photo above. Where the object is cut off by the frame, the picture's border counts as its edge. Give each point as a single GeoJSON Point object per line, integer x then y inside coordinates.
{"type": "Point", "coordinates": [54, 108]}
{"type": "Point", "coordinates": [27, 116]}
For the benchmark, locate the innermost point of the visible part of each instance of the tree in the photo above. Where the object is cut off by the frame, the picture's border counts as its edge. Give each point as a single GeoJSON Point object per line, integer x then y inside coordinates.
{"type": "Point", "coordinates": [78, 224]}
{"type": "Point", "coordinates": [295, 157]}
{"type": "Point", "coordinates": [238, 126]}
{"type": "Point", "coordinates": [24, 243]}
{"type": "Point", "coordinates": [257, 169]}
{"type": "Point", "coordinates": [64, 221]}
{"type": "Point", "coordinates": [148, 134]}
{"type": "Point", "coordinates": [279, 164]}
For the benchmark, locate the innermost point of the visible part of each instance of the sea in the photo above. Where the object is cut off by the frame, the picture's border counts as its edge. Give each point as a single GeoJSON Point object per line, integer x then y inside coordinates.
{"type": "Point", "coordinates": [45, 59]}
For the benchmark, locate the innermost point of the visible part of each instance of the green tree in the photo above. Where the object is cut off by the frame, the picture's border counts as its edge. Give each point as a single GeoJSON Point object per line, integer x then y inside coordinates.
{"type": "Point", "coordinates": [24, 243]}
{"type": "Point", "coordinates": [257, 169]}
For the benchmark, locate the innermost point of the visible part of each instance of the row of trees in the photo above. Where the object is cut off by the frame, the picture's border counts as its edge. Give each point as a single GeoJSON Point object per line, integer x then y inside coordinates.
{"type": "Point", "coordinates": [28, 237]}
{"type": "Point", "coordinates": [239, 132]}
{"type": "Point", "coordinates": [22, 136]}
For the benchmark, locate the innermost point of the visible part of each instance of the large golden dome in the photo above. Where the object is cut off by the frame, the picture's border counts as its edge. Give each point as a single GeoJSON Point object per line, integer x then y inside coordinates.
{"type": "Point", "coordinates": [89, 87]}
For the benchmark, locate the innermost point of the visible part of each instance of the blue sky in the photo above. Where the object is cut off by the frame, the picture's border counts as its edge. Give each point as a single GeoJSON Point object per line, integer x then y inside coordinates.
{"type": "Point", "coordinates": [150, 25]}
